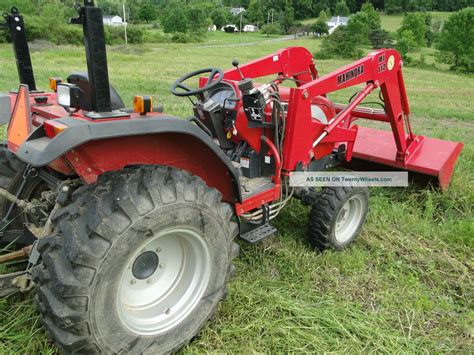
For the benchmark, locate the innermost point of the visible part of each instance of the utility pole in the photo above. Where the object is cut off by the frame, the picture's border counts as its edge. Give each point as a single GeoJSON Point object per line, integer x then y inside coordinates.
{"type": "Point", "coordinates": [240, 27]}
{"type": "Point", "coordinates": [126, 23]}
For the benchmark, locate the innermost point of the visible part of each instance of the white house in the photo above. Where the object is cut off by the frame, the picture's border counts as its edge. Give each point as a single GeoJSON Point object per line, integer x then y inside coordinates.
{"type": "Point", "coordinates": [113, 20]}
{"type": "Point", "coordinates": [337, 21]}
{"type": "Point", "coordinates": [236, 11]}
{"type": "Point", "coordinates": [250, 28]}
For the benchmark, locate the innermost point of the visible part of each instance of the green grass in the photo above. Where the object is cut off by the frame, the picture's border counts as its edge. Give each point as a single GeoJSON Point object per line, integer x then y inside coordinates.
{"type": "Point", "coordinates": [392, 23]}
{"type": "Point", "coordinates": [406, 285]}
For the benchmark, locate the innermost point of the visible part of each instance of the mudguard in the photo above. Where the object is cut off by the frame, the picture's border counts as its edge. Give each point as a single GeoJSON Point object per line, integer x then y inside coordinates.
{"type": "Point", "coordinates": [40, 150]}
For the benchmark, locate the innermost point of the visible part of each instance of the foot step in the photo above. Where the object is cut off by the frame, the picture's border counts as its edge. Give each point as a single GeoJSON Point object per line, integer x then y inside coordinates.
{"type": "Point", "coordinates": [259, 233]}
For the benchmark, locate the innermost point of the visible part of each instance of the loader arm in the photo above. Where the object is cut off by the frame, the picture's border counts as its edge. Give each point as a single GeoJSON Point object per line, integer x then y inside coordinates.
{"type": "Point", "coordinates": [291, 62]}
{"type": "Point", "coordinates": [404, 150]}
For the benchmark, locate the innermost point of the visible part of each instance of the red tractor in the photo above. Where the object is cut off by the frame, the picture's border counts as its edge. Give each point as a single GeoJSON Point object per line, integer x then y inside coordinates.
{"type": "Point", "coordinates": [128, 217]}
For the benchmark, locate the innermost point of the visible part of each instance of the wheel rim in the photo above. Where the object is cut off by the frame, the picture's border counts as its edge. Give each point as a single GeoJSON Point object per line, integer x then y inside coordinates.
{"type": "Point", "coordinates": [349, 219]}
{"type": "Point", "coordinates": [164, 281]}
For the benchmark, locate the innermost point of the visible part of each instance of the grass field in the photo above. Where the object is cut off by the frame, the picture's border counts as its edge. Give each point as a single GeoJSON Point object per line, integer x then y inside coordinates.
{"type": "Point", "coordinates": [407, 284]}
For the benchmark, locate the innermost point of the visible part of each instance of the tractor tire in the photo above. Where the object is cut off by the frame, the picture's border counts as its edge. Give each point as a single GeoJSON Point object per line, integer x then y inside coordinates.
{"type": "Point", "coordinates": [10, 167]}
{"type": "Point", "coordinates": [11, 170]}
{"type": "Point", "coordinates": [11, 178]}
{"type": "Point", "coordinates": [139, 264]}
{"type": "Point", "coordinates": [337, 216]}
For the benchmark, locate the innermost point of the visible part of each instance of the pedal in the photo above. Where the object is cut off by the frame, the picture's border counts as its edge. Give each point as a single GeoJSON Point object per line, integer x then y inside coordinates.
{"type": "Point", "coordinates": [259, 233]}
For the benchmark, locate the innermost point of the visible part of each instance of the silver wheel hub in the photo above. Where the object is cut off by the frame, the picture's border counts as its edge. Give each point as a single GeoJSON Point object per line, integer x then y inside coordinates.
{"type": "Point", "coordinates": [164, 281]}
{"type": "Point", "coordinates": [349, 219]}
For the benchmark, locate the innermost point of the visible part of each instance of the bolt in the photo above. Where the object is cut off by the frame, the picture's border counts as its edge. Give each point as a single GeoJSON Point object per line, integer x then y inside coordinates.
{"type": "Point", "coordinates": [133, 281]}
{"type": "Point", "coordinates": [158, 249]}
{"type": "Point", "coordinates": [162, 265]}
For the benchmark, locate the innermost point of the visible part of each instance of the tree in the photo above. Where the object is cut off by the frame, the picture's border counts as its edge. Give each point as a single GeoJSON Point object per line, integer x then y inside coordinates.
{"type": "Point", "coordinates": [358, 27]}
{"type": "Point", "coordinates": [405, 43]}
{"type": "Point", "coordinates": [393, 7]}
{"type": "Point", "coordinates": [302, 8]}
{"type": "Point", "coordinates": [255, 11]}
{"type": "Point", "coordinates": [324, 16]}
{"type": "Point", "coordinates": [219, 17]}
{"type": "Point", "coordinates": [415, 22]}
{"type": "Point", "coordinates": [271, 29]}
{"type": "Point", "coordinates": [287, 17]}
{"type": "Point", "coordinates": [319, 28]}
{"type": "Point", "coordinates": [378, 38]}
{"type": "Point", "coordinates": [342, 9]}
{"type": "Point", "coordinates": [198, 20]}
{"type": "Point", "coordinates": [174, 18]}
{"type": "Point", "coordinates": [339, 44]}
{"type": "Point", "coordinates": [147, 12]}
{"type": "Point", "coordinates": [456, 41]}
{"type": "Point", "coordinates": [373, 17]}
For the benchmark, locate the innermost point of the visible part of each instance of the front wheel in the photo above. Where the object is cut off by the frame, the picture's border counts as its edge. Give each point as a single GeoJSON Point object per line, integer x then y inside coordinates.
{"type": "Point", "coordinates": [140, 263]}
{"type": "Point", "coordinates": [337, 216]}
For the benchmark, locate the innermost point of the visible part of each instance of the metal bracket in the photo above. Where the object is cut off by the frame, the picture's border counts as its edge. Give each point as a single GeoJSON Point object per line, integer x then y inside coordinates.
{"type": "Point", "coordinates": [14, 282]}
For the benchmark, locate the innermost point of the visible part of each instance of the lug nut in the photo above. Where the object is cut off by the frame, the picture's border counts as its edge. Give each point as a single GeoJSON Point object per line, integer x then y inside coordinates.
{"type": "Point", "coordinates": [158, 249]}
{"type": "Point", "coordinates": [133, 281]}
{"type": "Point", "coordinates": [162, 265]}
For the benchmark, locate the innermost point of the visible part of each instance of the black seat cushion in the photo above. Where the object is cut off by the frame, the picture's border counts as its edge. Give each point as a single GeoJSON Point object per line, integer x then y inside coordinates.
{"type": "Point", "coordinates": [81, 79]}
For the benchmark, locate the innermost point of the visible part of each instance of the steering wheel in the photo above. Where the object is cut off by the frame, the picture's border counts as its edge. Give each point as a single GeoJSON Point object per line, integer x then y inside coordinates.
{"type": "Point", "coordinates": [179, 88]}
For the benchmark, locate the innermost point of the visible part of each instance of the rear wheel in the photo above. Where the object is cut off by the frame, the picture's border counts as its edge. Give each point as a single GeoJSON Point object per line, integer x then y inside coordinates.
{"type": "Point", "coordinates": [10, 168]}
{"type": "Point", "coordinates": [337, 216]}
{"type": "Point", "coordinates": [12, 179]}
{"type": "Point", "coordinates": [140, 263]}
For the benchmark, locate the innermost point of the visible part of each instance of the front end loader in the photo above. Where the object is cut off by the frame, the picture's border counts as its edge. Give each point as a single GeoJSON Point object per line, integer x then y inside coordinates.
{"type": "Point", "coordinates": [127, 217]}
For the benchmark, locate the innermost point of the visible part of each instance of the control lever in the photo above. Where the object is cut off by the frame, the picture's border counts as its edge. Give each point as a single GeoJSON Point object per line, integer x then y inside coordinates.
{"type": "Point", "coordinates": [235, 63]}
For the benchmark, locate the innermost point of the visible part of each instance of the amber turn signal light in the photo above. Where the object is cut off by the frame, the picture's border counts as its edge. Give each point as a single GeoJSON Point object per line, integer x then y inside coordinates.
{"type": "Point", "coordinates": [53, 83]}
{"type": "Point", "coordinates": [142, 104]}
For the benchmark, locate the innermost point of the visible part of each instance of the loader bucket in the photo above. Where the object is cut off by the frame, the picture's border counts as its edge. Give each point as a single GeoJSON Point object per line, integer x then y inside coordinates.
{"type": "Point", "coordinates": [433, 160]}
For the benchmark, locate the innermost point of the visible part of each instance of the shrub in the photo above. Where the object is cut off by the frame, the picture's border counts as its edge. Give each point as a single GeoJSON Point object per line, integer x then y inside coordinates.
{"type": "Point", "coordinates": [342, 9]}
{"type": "Point", "coordinates": [271, 29]}
{"type": "Point", "coordinates": [340, 44]}
{"type": "Point", "coordinates": [405, 43]}
{"type": "Point", "coordinates": [415, 22]}
{"type": "Point", "coordinates": [456, 41]}
{"type": "Point", "coordinates": [180, 37]}
{"type": "Point", "coordinates": [378, 38]}
{"type": "Point", "coordinates": [134, 34]}
{"type": "Point", "coordinates": [320, 27]}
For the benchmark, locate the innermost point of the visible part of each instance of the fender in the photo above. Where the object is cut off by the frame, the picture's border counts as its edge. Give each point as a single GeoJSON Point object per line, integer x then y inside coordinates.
{"type": "Point", "coordinates": [92, 148]}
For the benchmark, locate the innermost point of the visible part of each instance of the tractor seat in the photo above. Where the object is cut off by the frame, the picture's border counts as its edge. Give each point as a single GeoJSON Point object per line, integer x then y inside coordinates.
{"type": "Point", "coordinates": [81, 79]}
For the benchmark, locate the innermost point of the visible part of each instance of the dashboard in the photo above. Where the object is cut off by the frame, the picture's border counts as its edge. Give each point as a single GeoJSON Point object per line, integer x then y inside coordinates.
{"type": "Point", "coordinates": [221, 93]}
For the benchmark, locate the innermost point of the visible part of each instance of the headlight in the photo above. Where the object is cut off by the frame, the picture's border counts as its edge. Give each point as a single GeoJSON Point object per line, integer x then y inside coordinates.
{"type": "Point", "coordinates": [69, 95]}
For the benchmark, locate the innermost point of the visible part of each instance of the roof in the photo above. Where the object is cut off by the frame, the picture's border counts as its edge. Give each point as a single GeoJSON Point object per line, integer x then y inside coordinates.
{"type": "Point", "coordinates": [339, 19]}
{"type": "Point", "coordinates": [237, 10]}
{"type": "Point", "coordinates": [111, 17]}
